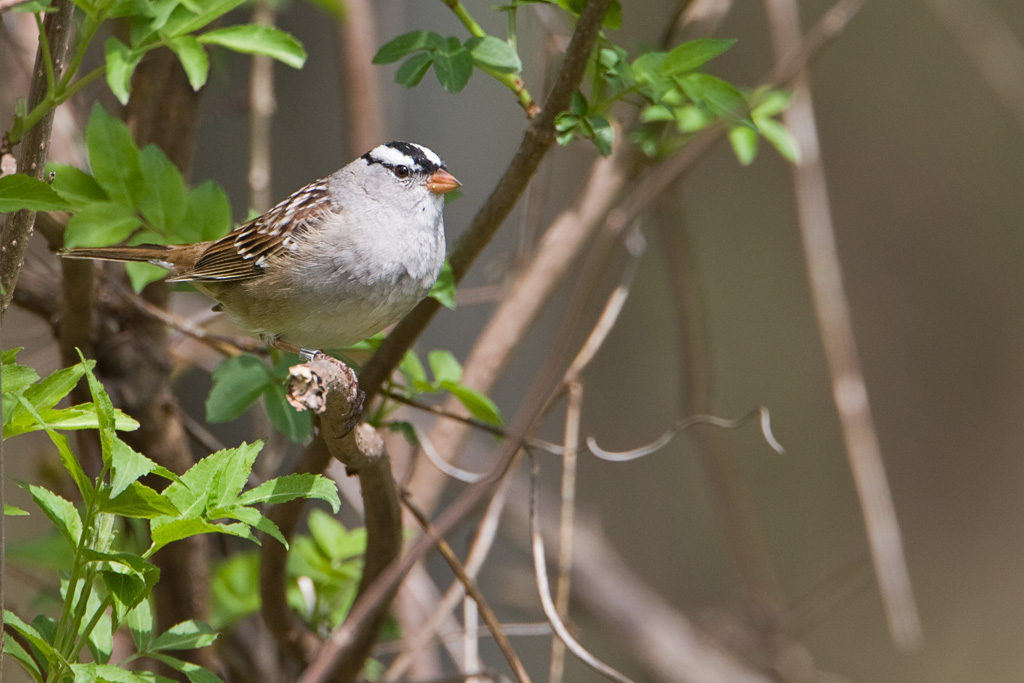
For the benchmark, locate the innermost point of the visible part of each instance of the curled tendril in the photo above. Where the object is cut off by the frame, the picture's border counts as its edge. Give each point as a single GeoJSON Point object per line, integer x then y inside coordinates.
{"type": "Point", "coordinates": [686, 423]}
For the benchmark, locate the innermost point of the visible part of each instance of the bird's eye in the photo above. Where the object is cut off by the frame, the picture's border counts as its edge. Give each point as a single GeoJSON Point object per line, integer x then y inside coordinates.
{"type": "Point", "coordinates": [402, 172]}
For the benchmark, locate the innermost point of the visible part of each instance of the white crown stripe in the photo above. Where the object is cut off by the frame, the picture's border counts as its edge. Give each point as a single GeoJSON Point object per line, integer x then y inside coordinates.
{"type": "Point", "coordinates": [392, 157]}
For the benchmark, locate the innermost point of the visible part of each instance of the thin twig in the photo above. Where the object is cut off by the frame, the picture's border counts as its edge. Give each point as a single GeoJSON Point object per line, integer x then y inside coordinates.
{"type": "Point", "coordinates": [490, 618]}
{"type": "Point", "coordinates": [835, 323]}
{"type": "Point", "coordinates": [486, 532]}
{"type": "Point", "coordinates": [566, 524]}
{"type": "Point", "coordinates": [684, 424]}
{"type": "Point", "coordinates": [537, 543]}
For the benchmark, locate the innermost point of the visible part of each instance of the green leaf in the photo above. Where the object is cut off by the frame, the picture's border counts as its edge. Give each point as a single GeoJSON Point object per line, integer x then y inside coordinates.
{"type": "Point", "coordinates": [114, 158]}
{"type": "Point", "coordinates": [612, 18]}
{"type": "Point", "coordinates": [255, 519]}
{"type": "Point", "coordinates": [138, 501]}
{"type": "Point", "coordinates": [13, 511]}
{"type": "Point", "coordinates": [76, 186]}
{"type": "Point", "coordinates": [494, 53]}
{"type": "Point", "coordinates": [295, 425]}
{"type": "Point", "coordinates": [187, 17]}
{"type": "Point", "coordinates": [140, 624]}
{"type": "Point", "coordinates": [193, 59]}
{"type": "Point", "coordinates": [194, 672]}
{"type": "Point", "coordinates": [721, 98]}
{"type": "Point", "coordinates": [444, 288]}
{"type": "Point", "coordinates": [744, 144]}
{"type": "Point", "coordinates": [188, 635]}
{"type": "Point", "coordinates": [406, 430]}
{"type": "Point", "coordinates": [141, 274]}
{"type": "Point", "coordinates": [414, 69]}
{"type": "Point", "coordinates": [333, 539]}
{"type": "Point", "coordinates": [128, 466]}
{"type": "Point", "coordinates": [121, 63]}
{"type": "Point", "coordinates": [453, 66]}
{"type": "Point", "coordinates": [603, 133]}
{"type": "Point", "coordinates": [259, 40]}
{"type": "Point", "coordinates": [166, 198]}
{"type": "Point", "coordinates": [405, 44]}
{"type": "Point", "coordinates": [50, 391]}
{"type": "Point", "coordinates": [61, 512]}
{"type": "Point", "coordinates": [292, 486]}
{"type": "Point", "coordinates": [163, 532]}
{"type": "Point", "coordinates": [14, 650]}
{"type": "Point", "coordinates": [127, 589]}
{"type": "Point", "coordinates": [237, 382]}
{"type": "Point", "coordinates": [695, 53]}
{"type": "Point", "coordinates": [33, 6]}
{"type": "Point", "coordinates": [780, 137]}
{"type": "Point", "coordinates": [208, 216]}
{"type": "Point", "coordinates": [479, 406]}
{"type": "Point", "coordinates": [104, 411]}
{"type": "Point", "coordinates": [16, 379]}
{"type": "Point", "coordinates": [71, 464]}
{"type": "Point", "coordinates": [770, 102]}
{"type": "Point", "coordinates": [19, 191]}
{"type": "Point", "coordinates": [412, 368]}
{"type": "Point", "coordinates": [101, 224]}
{"type": "Point", "coordinates": [235, 588]}
{"type": "Point", "coordinates": [32, 635]}
{"type": "Point", "coordinates": [444, 366]}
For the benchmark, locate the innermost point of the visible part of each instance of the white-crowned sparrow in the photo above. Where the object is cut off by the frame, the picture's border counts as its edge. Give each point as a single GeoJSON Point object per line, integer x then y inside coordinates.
{"type": "Point", "coordinates": [334, 263]}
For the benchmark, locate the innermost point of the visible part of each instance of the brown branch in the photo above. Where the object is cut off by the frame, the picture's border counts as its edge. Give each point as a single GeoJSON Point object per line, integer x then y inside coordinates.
{"type": "Point", "coordinates": [835, 325]}
{"type": "Point", "coordinates": [35, 147]}
{"type": "Point", "coordinates": [329, 388]}
{"type": "Point", "coordinates": [537, 140]}
{"type": "Point", "coordinates": [471, 588]}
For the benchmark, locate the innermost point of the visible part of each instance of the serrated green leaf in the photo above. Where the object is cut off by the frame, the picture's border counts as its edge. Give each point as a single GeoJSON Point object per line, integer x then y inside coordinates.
{"type": "Point", "coordinates": [16, 379]}
{"type": "Point", "coordinates": [259, 40]}
{"type": "Point", "coordinates": [32, 635]}
{"type": "Point", "coordinates": [76, 186]}
{"type": "Point", "coordinates": [121, 63]}
{"type": "Point", "coordinates": [101, 224]}
{"type": "Point", "coordinates": [61, 512]}
{"type": "Point", "coordinates": [138, 501]}
{"type": "Point", "coordinates": [127, 589]}
{"type": "Point", "coordinates": [444, 366]}
{"type": "Point", "coordinates": [166, 198]}
{"type": "Point", "coordinates": [19, 191]}
{"type": "Point", "coordinates": [48, 392]}
{"type": "Point", "coordinates": [163, 531]}
{"type": "Point", "coordinates": [188, 635]}
{"type": "Point", "coordinates": [14, 650]}
{"type": "Point", "coordinates": [695, 53]}
{"type": "Point", "coordinates": [237, 382]}
{"type": "Point", "coordinates": [194, 672]}
{"type": "Point", "coordinates": [444, 287]}
{"type": "Point", "coordinates": [184, 20]}
{"type": "Point", "coordinates": [71, 464]}
{"type": "Point", "coordinates": [414, 69]}
{"type": "Point", "coordinates": [744, 144]}
{"type": "Point", "coordinates": [193, 59]}
{"type": "Point", "coordinates": [14, 511]}
{"type": "Point", "coordinates": [453, 66]}
{"type": "Point", "coordinates": [780, 138]}
{"type": "Point", "coordinates": [405, 44]}
{"type": "Point", "coordinates": [494, 53]}
{"type": "Point", "coordinates": [128, 466]}
{"type": "Point", "coordinates": [292, 486]}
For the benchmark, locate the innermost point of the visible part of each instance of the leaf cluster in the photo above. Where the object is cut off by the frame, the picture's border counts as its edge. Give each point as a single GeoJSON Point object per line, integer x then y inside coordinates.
{"type": "Point", "coordinates": [107, 585]}
{"type": "Point", "coordinates": [453, 60]}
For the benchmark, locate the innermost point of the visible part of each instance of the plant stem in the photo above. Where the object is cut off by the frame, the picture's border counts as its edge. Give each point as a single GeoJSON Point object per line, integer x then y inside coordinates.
{"type": "Point", "coordinates": [465, 17]}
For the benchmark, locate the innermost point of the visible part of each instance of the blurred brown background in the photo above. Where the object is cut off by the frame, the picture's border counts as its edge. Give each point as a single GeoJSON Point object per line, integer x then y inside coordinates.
{"type": "Point", "coordinates": [925, 166]}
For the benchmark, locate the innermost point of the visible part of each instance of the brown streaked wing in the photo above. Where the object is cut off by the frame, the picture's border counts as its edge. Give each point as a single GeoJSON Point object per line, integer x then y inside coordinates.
{"type": "Point", "coordinates": [242, 254]}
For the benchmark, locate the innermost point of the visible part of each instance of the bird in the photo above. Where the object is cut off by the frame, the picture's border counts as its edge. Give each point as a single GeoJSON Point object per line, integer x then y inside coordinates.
{"type": "Point", "coordinates": [332, 264]}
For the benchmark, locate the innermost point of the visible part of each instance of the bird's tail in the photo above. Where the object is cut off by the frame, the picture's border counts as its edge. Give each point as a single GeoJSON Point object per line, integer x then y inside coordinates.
{"type": "Point", "coordinates": [157, 254]}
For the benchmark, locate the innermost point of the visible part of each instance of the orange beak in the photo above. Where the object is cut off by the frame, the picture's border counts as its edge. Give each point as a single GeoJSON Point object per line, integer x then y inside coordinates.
{"type": "Point", "coordinates": [441, 181]}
